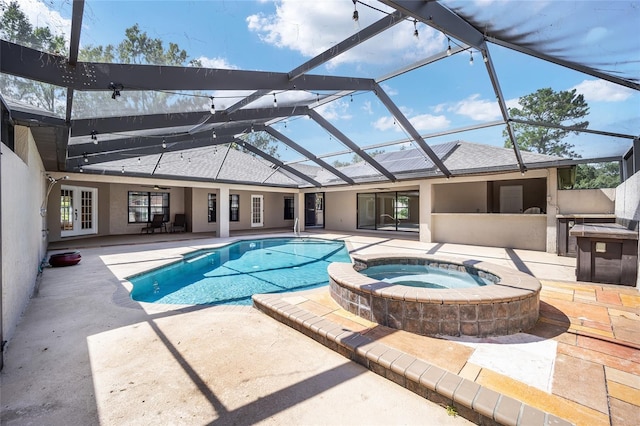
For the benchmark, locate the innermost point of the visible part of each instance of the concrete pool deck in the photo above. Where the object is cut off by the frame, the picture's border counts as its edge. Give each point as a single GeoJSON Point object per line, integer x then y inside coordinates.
{"type": "Point", "coordinates": [84, 353]}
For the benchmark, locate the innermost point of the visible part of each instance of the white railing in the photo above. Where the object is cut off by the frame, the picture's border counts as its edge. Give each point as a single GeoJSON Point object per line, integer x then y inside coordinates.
{"type": "Point", "coordinates": [296, 227]}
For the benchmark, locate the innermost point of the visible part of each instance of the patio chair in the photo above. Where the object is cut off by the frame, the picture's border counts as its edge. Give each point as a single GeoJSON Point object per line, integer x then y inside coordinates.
{"type": "Point", "coordinates": [156, 223]}
{"type": "Point", "coordinates": [179, 223]}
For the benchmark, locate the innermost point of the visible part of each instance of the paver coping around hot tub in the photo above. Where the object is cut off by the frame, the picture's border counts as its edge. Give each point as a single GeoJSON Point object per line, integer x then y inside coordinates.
{"type": "Point", "coordinates": [507, 306]}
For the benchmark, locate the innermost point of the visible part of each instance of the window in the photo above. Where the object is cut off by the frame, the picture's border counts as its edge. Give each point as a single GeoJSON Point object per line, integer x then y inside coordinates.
{"type": "Point", "coordinates": [288, 208]}
{"type": "Point", "coordinates": [389, 211]}
{"type": "Point", "coordinates": [212, 207]}
{"type": "Point", "coordinates": [234, 208]}
{"type": "Point", "coordinates": [143, 205]}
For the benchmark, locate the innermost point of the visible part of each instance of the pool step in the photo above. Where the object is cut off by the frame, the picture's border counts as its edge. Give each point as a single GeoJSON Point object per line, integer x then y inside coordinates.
{"type": "Point", "coordinates": [472, 401]}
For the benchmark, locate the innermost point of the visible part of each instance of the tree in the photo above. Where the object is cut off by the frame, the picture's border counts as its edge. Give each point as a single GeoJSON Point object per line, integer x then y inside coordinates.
{"type": "Point", "coordinates": [547, 106]}
{"type": "Point", "coordinates": [597, 175]}
{"type": "Point", "coordinates": [138, 48]}
{"type": "Point", "coordinates": [356, 158]}
{"type": "Point", "coordinates": [261, 140]}
{"type": "Point", "coordinates": [16, 28]}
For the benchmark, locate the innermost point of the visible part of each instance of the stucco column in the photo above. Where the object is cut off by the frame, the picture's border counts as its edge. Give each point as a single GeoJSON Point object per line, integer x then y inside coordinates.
{"type": "Point", "coordinates": [425, 212]}
{"type": "Point", "coordinates": [552, 203]}
{"type": "Point", "coordinates": [223, 227]}
{"type": "Point", "coordinates": [298, 210]}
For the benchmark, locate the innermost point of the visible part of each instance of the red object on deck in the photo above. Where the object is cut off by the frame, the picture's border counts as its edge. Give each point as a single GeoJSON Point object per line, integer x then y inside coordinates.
{"type": "Point", "coordinates": [65, 259]}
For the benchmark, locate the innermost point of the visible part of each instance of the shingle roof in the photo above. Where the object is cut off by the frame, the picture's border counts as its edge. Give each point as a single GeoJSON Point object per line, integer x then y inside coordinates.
{"type": "Point", "coordinates": [219, 163]}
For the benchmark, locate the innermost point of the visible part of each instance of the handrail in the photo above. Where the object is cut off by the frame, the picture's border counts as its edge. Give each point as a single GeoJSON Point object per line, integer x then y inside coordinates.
{"type": "Point", "coordinates": [296, 225]}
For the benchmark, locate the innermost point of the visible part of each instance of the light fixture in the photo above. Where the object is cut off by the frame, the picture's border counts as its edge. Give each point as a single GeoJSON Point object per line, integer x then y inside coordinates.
{"type": "Point", "coordinates": [139, 161]}
{"type": "Point", "coordinates": [189, 160]}
{"type": "Point", "coordinates": [213, 106]}
{"type": "Point", "coordinates": [448, 46]}
{"type": "Point", "coordinates": [81, 169]}
{"type": "Point", "coordinates": [164, 144]}
{"type": "Point", "coordinates": [181, 157]}
{"type": "Point", "coordinates": [213, 134]}
{"type": "Point", "coordinates": [471, 57]}
{"type": "Point", "coordinates": [94, 137]}
{"type": "Point", "coordinates": [485, 58]}
{"type": "Point", "coordinates": [122, 169]}
{"type": "Point", "coordinates": [318, 97]}
{"type": "Point", "coordinates": [415, 28]}
{"type": "Point", "coordinates": [355, 11]}
{"type": "Point", "coordinates": [275, 101]}
{"type": "Point", "coordinates": [252, 130]}
{"type": "Point", "coordinates": [116, 87]}
{"type": "Point", "coordinates": [351, 98]}
{"type": "Point", "coordinates": [86, 159]}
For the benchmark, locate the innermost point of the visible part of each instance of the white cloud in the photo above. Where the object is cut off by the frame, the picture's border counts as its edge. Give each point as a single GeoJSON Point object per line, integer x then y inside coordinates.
{"type": "Point", "coordinates": [216, 63]}
{"type": "Point", "coordinates": [367, 107]}
{"type": "Point", "coordinates": [390, 91]}
{"type": "Point", "coordinates": [477, 109]}
{"type": "Point", "coordinates": [603, 91]}
{"type": "Point", "coordinates": [422, 122]}
{"type": "Point", "coordinates": [313, 27]}
{"type": "Point", "coordinates": [336, 110]}
{"type": "Point", "coordinates": [39, 15]}
{"type": "Point", "coordinates": [429, 122]}
{"type": "Point", "coordinates": [384, 123]}
{"type": "Point", "coordinates": [594, 35]}
{"type": "Point", "coordinates": [513, 103]}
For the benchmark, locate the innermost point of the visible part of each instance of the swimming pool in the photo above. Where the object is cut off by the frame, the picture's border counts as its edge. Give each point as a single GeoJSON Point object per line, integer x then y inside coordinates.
{"type": "Point", "coordinates": [233, 273]}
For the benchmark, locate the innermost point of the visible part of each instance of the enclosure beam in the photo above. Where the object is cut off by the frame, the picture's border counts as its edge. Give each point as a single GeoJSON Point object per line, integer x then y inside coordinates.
{"type": "Point", "coordinates": [349, 143]}
{"type": "Point", "coordinates": [284, 139]}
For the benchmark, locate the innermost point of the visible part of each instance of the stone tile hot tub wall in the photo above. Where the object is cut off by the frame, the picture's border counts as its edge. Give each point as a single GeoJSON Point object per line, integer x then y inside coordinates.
{"type": "Point", "coordinates": [508, 306]}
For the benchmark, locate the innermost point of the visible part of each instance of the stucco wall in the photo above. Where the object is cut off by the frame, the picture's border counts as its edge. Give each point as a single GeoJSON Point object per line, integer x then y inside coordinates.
{"type": "Point", "coordinates": [274, 211]}
{"type": "Point", "coordinates": [586, 201]}
{"type": "Point", "coordinates": [199, 217]}
{"type": "Point", "coordinates": [340, 210]}
{"type": "Point", "coordinates": [628, 205]}
{"type": "Point", "coordinates": [495, 230]}
{"type": "Point", "coordinates": [23, 240]}
{"type": "Point", "coordinates": [468, 197]}
{"type": "Point", "coordinates": [53, 213]}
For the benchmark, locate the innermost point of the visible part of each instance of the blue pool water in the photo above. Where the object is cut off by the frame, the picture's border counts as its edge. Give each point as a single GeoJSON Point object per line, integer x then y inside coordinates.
{"type": "Point", "coordinates": [233, 273]}
{"type": "Point", "coordinates": [424, 276]}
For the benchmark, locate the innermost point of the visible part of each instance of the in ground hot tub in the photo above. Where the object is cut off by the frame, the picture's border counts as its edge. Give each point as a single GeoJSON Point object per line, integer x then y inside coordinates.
{"type": "Point", "coordinates": [493, 301]}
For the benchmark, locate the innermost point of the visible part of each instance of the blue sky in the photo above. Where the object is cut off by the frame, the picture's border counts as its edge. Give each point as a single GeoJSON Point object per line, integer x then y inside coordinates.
{"type": "Point", "coordinates": [268, 36]}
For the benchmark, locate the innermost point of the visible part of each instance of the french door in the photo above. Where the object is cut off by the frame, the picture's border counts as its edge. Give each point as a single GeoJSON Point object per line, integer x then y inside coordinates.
{"type": "Point", "coordinates": [78, 211]}
{"type": "Point", "coordinates": [257, 219]}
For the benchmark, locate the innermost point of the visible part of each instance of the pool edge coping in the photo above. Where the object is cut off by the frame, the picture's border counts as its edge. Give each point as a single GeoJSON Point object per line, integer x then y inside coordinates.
{"type": "Point", "coordinates": [470, 400]}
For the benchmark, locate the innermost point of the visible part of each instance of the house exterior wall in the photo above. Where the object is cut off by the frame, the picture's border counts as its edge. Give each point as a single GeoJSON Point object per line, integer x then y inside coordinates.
{"type": "Point", "coordinates": [272, 205]}
{"type": "Point", "coordinates": [586, 201]}
{"type": "Point", "coordinates": [198, 219]}
{"type": "Point", "coordinates": [340, 210]}
{"type": "Point", "coordinates": [627, 205]}
{"type": "Point", "coordinates": [24, 243]}
{"type": "Point", "coordinates": [466, 197]}
{"type": "Point", "coordinates": [104, 211]}
{"type": "Point", "coordinates": [498, 230]}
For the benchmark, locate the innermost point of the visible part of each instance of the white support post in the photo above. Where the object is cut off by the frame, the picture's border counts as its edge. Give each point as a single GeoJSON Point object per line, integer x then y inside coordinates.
{"type": "Point", "coordinates": [425, 212]}
{"type": "Point", "coordinates": [223, 227]}
{"type": "Point", "coordinates": [552, 211]}
{"type": "Point", "coordinates": [298, 210]}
